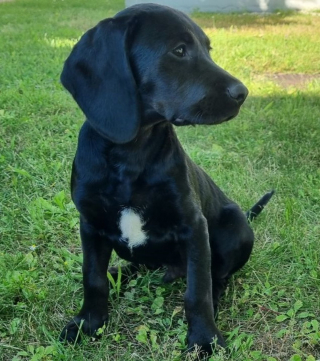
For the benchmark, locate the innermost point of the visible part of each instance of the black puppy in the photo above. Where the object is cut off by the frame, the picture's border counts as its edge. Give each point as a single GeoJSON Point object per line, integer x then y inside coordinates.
{"type": "Point", "coordinates": [137, 191]}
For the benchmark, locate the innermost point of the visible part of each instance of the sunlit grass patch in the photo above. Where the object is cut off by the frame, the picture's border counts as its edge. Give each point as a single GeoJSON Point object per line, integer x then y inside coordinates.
{"type": "Point", "coordinates": [60, 42]}
{"type": "Point", "coordinates": [282, 42]}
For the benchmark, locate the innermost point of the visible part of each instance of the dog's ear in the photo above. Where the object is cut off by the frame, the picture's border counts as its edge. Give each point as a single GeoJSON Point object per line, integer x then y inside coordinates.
{"type": "Point", "coordinates": [98, 75]}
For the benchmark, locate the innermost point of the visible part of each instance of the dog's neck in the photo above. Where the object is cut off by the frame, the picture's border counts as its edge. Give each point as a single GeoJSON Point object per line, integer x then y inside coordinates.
{"type": "Point", "coordinates": [156, 144]}
{"type": "Point", "coordinates": [151, 118]}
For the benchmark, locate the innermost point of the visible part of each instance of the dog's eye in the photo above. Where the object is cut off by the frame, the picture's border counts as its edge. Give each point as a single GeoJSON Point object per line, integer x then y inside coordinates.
{"type": "Point", "coordinates": [180, 51]}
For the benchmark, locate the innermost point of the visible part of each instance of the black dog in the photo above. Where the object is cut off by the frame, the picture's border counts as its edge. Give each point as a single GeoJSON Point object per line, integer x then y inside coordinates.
{"type": "Point", "coordinates": [137, 191]}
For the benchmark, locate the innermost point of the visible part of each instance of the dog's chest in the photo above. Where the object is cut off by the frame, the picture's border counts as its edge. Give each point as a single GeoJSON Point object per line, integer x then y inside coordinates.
{"type": "Point", "coordinates": [146, 235]}
{"type": "Point", "coordinates": [131, 226]}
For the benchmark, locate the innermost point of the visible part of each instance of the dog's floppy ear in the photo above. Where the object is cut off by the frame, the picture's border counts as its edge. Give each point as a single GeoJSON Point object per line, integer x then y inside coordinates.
{"type": "Point", "coordinates": [98, 75]}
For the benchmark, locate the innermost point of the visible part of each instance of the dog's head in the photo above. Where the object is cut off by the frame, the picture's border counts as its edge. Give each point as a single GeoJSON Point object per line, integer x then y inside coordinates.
{"type": "Point", "coordinates": [149, 61]}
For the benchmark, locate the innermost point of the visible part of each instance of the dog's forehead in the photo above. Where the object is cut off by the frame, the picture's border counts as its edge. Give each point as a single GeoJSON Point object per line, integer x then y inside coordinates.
{"type": "Point", "coordinates": [170, 23]}
{"type": "Point", "coordinates": [164, 35]}
{"type": "Point", "coordinates": [156, 22]}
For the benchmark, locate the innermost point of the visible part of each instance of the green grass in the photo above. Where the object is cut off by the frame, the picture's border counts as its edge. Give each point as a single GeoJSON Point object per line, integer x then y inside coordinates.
{"type": "Point", "coordinates": [272, 307]}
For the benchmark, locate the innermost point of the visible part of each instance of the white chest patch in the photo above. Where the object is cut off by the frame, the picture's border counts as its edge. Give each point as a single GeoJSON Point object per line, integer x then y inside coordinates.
{"type": "Point", "coordinates": [131, 228]}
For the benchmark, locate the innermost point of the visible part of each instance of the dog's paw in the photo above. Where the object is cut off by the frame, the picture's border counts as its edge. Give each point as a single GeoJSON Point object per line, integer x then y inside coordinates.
{"type": "Point", "coordinates": [89, 325]}
{"type": "Point", "coordinates": [206, 345]}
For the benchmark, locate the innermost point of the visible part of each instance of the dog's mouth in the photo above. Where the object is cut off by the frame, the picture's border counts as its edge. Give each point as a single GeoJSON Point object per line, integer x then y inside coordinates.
{"type": "Point", "coordinates": [182, 122]}
{"type": "Point", "coordinates": [179, 122]}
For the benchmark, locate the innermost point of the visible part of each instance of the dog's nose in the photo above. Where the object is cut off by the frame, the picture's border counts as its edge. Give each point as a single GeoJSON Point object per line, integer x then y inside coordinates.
{"type": "Point", "coordinates": [238, 92]}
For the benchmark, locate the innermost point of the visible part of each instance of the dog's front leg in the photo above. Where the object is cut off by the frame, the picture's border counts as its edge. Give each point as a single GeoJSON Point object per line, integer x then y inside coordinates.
{"type": "Point", "coordinates": [202, 330]}
{"type": "Point", "coordinates": [94, 312]}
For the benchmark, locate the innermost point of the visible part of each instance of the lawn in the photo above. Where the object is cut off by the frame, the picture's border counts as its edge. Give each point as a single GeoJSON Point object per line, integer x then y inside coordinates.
{"type": "Point", "coordinates": [271, 310]}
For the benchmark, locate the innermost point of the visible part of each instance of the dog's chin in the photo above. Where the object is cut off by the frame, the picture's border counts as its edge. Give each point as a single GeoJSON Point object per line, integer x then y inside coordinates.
{"type": "Point", "coordinates": [213, 121]}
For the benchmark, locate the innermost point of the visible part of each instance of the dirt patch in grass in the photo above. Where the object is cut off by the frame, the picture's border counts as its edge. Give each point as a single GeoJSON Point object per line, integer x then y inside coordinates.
{"type": "Point", "coordinates": [293, 80]}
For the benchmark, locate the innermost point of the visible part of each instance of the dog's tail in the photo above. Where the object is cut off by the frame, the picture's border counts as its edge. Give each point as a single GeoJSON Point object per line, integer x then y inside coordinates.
{"type": "Point", "coordinates": [258, 207]}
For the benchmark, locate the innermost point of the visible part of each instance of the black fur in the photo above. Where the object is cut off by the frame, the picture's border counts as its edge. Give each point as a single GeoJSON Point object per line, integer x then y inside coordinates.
{"type": "Point", "coordinates": [134, 76]}
{"type": "Point", "coordinates": [254, 211]}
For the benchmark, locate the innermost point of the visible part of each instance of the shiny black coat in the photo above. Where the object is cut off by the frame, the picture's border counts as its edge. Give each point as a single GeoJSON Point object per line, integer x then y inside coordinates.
{"type": "Point", "coordinates": [135, 76]}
